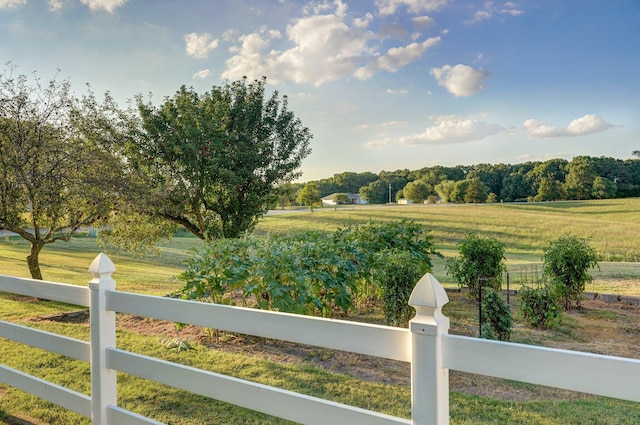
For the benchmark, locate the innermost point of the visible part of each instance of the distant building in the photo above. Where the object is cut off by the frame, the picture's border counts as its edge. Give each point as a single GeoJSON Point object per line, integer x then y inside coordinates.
{"type": "Point", "coordinates": [404, 201]}
{"type": "Point", "coordinates": [354, 199]}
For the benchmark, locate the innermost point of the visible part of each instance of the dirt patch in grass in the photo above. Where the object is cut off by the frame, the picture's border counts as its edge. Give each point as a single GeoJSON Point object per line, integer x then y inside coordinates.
{"type": "Point", "coordinates": [596, 327]}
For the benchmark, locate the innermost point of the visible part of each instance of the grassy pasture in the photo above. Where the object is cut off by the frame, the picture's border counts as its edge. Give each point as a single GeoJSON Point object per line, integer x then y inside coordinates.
{"type": "Point", "coordinates": [612, 226]}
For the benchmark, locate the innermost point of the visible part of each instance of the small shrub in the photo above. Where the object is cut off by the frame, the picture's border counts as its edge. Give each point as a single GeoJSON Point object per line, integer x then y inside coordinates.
{"type": "Point", "coordinates": [540, 307]}
{"type": "Point", "coordinates": [498, 321]}
{"type": "Point", "coordinates": [481, 260]}
{"type": "Point", "coordinates": [567, 261]}
{"type": "Point", "coordinates": [399, 276]}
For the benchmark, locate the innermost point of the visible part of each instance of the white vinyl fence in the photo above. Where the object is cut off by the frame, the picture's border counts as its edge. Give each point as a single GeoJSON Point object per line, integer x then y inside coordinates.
{"type": "Point", "coordinates": [426, 345]}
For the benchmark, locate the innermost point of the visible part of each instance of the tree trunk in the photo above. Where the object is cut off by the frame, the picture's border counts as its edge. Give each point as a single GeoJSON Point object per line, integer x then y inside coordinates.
{"type": "Point", "coordinates": [33, 262]}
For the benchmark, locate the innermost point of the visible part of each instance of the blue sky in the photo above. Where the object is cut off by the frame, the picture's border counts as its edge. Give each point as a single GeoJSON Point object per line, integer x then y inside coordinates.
{"type": "Point", "coordinates": [382, 84]}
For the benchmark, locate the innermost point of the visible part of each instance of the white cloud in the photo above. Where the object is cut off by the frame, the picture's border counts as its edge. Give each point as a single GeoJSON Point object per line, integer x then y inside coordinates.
{"type": "Point", "coordinates": [403, 91]}
{"type": "Point", "coordinates": [389, 7]}
{"type": "Point", "coordinates": [490, 10]}
{"type": "Point", "coordinates": [453, 129]}
{"type": "Point", "coordinates": [107, 5]}
{"type": "Point", "coordinates": [199, 45]}
{"type": "Point", "coordinates": [202, 74]}
{"type": "Point", "coordinates": [397, 57]}
{"type": "Point", "coordinates": [55, 5]}
{"type": "Point", "coordinates": [382, 125]}
{"type": "Point", "coordinates": [324, 47]}
{"type": "Point", "coordinates": [6, 4]}
{"type": "Point", "coordinates": [460, 80]}
{"type": "Point", "coordinates": [584, 125]}
{"type": "Point", "coordinates": [363, 22]}
{"type": "Point", "coordinates": [424, 21]}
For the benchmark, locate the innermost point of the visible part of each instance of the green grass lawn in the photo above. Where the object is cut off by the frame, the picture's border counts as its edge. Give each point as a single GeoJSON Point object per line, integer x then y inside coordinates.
{"type": "Point", "coordinates": [611, 225]}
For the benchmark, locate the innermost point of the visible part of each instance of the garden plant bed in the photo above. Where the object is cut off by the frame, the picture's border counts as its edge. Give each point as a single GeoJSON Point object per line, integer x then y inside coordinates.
{"type": "Point", "coordinates": [596, 327]}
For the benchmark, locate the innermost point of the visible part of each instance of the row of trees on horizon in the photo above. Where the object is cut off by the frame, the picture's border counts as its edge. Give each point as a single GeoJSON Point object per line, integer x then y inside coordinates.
{"type": "Point", "coordinates": [582, 178]}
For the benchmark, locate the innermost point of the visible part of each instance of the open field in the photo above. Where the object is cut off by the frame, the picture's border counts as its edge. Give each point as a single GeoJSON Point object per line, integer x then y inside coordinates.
{"type": "Point", "coordinates": [612, 225]}
{"type": "Point", "coordinates": [525, 229]}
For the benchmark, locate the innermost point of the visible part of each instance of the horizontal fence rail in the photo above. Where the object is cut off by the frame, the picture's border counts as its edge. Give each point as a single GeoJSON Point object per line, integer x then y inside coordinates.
{"type": "Point", "coordinates": [59, 344]}
{"type": "Point", "coordinates": [262, 398]}
{"type": "Point", "coordinates": [56, 394]}
{"type": "Point", "coordinates": [52, 291]}
{"type": "Point", "coordinates": [597, 374]}
{"type": "Point", "coordinates": [426, 345]}
{"type": "Point", "coordinates": [341, 335]}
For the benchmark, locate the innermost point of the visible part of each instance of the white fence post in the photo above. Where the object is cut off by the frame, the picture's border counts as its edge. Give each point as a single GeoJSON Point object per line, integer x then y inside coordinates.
{"type": "Point", "coordinates": [103, 335]}
{"type": "Point", "coordinates": [429, 379]}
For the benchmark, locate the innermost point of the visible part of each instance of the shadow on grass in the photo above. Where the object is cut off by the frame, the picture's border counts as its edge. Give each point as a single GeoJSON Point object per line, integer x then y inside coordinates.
{"type": "Point", "coordinates": [6, 419]}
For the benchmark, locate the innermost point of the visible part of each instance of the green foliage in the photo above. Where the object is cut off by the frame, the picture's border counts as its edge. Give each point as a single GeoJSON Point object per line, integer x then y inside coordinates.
{"type": "Point", "coordinates": [444, 189]}
{"type": "Point", "coordinates": [306, 273]}
{"type": "Point", "coordinates": [476, 192]}
{"type": "Point", "coordinates": [417, 191]}
{"type": "Point", "coordinates": [603, 188]}
{"type": "Point", "coordinates": [481, 263]}
{"type": "Point", "coordinates": [540, 307]}
{"type": "Point", "coordinates": [498, 321]}
{"type": "Point", "coordinates": [211, 162]}
{"type": "Point", "coordinates": [567, 261]}
{"type": "Point", "coordinates": [58, 171]}
{"type": "Point", "coordinates": [309, 195]}
{"type": "Point", "coordinates": [581, 174]}
{"type": "Point", "coordinates": [148, 230]}
{"type": "Point", "coordinates": [340, 198]}
{"type": "Point", "coordinates": [399, 274]}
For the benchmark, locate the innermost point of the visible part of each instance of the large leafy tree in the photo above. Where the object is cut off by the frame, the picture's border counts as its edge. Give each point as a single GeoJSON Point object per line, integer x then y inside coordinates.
{"type": "Point", "coordinates": [417, 191]}
{"type": "Point", "coordinates": [214, 160]}
{"type": "Point", "coordinates": [581, 173]}
{"type": "Point", "coordinates": [309, 195]}
{"type": "Point", "coordinates": [476, 191]}
{"type": "Point", "coordinates": [58, 172]}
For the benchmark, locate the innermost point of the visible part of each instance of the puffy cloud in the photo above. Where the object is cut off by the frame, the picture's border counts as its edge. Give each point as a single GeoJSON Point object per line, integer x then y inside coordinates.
{"type": "Point", "coordinates": [397, 57]}
{"type": "Point", "coordinates": [108, 5]}
{"type": "Point", "coordinates": [424, 21]}
{"type": "Point", "coordinates": [6, 4]}
{"type": "Point", "coordinates": [490, 10]}
{"type": "Point", "coordinates": [202, 74]}
{"type": "Point", "coordinates": [460, 80]}
{"type": "Point", "coordinates": [199, 45]}
{"type": "Point", "coordinates": [584, 125]}
{"type": "Point", "coordinates": [55, 5]}
{"type": "Point", "coordinates": [324, 47]}
{"type": "Point", "coordinates": [453, 129]}
{"type": "Point", "coordinates": [389, 7]}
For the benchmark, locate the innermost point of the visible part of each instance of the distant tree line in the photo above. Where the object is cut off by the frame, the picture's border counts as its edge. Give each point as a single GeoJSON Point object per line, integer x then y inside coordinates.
{"type": "Point", "coordinates": [583, 177]}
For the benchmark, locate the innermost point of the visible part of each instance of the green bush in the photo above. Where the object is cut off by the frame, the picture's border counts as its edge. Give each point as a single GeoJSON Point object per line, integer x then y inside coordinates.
{"type": "Point", "coordinates": [481, 261]}
{"type": "Point", "coordinates": [307, 273]}
{"type": "Point", "coordinates": [540, 307]}
{"type": "Point", "coordinates": [567, 261]}
{"type": "Point", "coordinates": [498, 321]}
{"type": "Point", "coordinates": [399, 276]}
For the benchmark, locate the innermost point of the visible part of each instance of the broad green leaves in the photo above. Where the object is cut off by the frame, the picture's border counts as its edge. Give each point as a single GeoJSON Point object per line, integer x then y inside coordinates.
{"type": "Point", "coordinates": [307, 273]}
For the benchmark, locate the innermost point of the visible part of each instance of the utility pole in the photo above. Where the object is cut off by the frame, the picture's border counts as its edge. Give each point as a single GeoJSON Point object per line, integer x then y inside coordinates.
{"type": "Point", "coordinates": [389, 192]}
